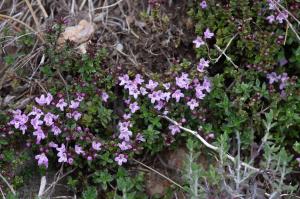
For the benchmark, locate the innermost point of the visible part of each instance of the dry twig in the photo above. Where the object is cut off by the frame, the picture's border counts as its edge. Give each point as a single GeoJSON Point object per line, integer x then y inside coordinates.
{"type": "Point", "coordinates": [214, 148]}
{"type": "Point", "coordinates": [108, 6]}
{"type": "Point", "coordinates": [7, 183]}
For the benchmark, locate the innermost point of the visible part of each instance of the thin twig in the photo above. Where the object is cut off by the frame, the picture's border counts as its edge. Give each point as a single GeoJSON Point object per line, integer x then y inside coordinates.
{"type": "Point", "coordinates": [7, 183]}
{"type": "Point", "coordinates": [3, 196]}
{"type": "Point", "coordinates": [33, 15]}
{"type": "Point", "coordinates": [82, 5]}
{"type": "Point", "coordinates": [109, 6]}
{"type": "Point", "coordinates": [227, 57]}
{"type": "Point", "coordinates": [56, 181]}
{"type": "Point", "coordinates": [228, 44]}
{"type": "Point", "coordinates": [214, 148]}
{"type": "Point", "coordinates": [43, 9]}
{"type": "Point", "coordinates": [162, 175]}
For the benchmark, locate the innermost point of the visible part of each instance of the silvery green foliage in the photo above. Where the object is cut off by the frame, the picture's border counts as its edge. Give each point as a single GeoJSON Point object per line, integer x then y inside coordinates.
{"type": "Point", "coordinates": [236, 181]}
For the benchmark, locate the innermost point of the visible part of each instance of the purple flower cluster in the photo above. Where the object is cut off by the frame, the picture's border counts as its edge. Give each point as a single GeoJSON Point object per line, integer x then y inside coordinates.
{"type": "Point", "coordinates": [185, 89]}
{"type": "Point", "coordinates": [53, 123]}
{"type": "Point", "coordinates": [282, 80]}
{"type": "Point", "coordinates": [125, 139]}
{"type": "Point", "coordinates": [279, 16]}
{"type": "Point", "coordinates": [41, 123]}
{"type": "Point", "coordinates": [199, 40]}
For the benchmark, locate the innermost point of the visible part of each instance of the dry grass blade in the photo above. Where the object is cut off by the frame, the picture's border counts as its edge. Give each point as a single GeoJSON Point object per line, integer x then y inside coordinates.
{"type": "Point", "coordinates": [33, 15]}
{"type": "Point", "coordinates": [43, 9]}
{"type": "Point", "coordinates": [160, 174]}
{"type": "Point", "coordinates": [24, 24]}
{"type": "Point", "coordinates": [109, 6]}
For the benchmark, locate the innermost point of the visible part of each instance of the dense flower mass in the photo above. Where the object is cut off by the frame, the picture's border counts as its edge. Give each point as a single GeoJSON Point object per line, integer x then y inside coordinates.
{"type": "Point", "coordinates": [161, 95]}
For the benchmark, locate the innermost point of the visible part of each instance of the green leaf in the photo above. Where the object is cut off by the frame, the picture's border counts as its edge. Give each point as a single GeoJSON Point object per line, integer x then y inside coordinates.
{"type": "Point", "coordinates": [90, 193]}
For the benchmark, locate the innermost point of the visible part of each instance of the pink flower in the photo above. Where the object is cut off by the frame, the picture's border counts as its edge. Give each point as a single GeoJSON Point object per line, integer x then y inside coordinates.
{"type": "Point", "coordinates": [133, 91]}
{"type": "Point", "coordinates": [202, 64]}
{"type": "Point", "coordinates": [69, 115]}
{"type": "Point", "coordinates": [19, 120]}
{"type": "Point", "coordinates": [80, 97]}
{"type": "Point", "coordinates": [210, 136]}
{"type": "Point", "coordinates": [39, 133]}
{"type": "Point", "coordinates": [23, 128]}
{"type": "Point", "coordinates": [52, 145]}
{"type": "Point", "coordinates": [177, 95]}
{"type": "Point", "coordinates": [183, 81]}
{"type": "Point", "coordinates": [206, 84]}
{"type": "Point", "coordinates": [50, 118]}
{"type": "Point", "coordinates": [271, 19]}
{"type": "Point", "coordinates": [199, 93]}
{"type": "Point", "coordinates": [61, 104]}
{"type": "Point", "coordinates": [167, 96]}
{"type": "Point", "coordinates": [159, 105]}
{"type": "Point", "coordinates": [203, 4]}
{"type": "Point", "coordinates": [140, 137]}
{"type": "Point", "coordinates": [127, 101]}
{"type": "Point", "coordinates": [104, 96]}
{"type": "Point", "coordinates": [44, 100]}
{"type": "Point", "coordinates": [273, 77]}
{"type": "Point", "coordinates": [155, 96]}
{"type": "Point", "coordinates": [76, 115]}
{"type": "Point", "coordinates": [56, 130]}
{"type": "Point", "coordinates": [124, 125]}
{"type": "Point", "coordinates": [89, 158]}
{"type": "Point", "coordinates": [36, 122]}
{"type": "Point", "coordinates": [283, 78]}
{"type": "Point", "coordinates": [134, 107]}
{"type": "Point", "coordinates": [62, 157]}
{"type": "Point", "coordinates": [208, 34]}
{"type": "Point", "coordinates": [193, 104]}
{"type": "Point", "coordinates": [167, 86]}
{"type": "Point", "coordinates": [124, 80]}
{"type": "Point", "coordinates": [70, 161]}
{"type": "Point", "coordinates": [198, 42]}
{"type": "Point", "coordinates": [61, 149]}
{"type": "Point", "coordinates": [272, 5]}
{"type": "Point", "coordinates": [74, 104]}
{"type": "Point", "coordinates": [124, 146]}
{"type": "Point", "coordinates": [281, 17]}
{"type": "Point", "coordinates": [35, 111]}
{"type": "Point", "coordinates": [96, 145]}
{"type": "Point", "coordinates": [143, 91]}
{"type": "Point", "coordinates": [151, 85]}
{"type": "Point", "coordinates": [62, 153]}
{"type": "Point", "coordinates": [174, 129]}
{"type": "Point", "coordinates": [125, 135]}
{"type": "Point", "coordinates": [127, 116]}
{"type": "Point", "coordinates": [78, 150]}
{"type": "Point", "coordinates": [42, 159]}
{"type": "Point", "coordinates": [120, 159]}
{"type": "Point", "coordinates": [138, 79]}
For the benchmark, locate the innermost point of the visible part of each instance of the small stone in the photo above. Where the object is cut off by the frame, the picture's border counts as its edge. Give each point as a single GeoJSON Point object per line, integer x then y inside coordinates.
{"type": "Point", "coordinates": [78, 34]}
